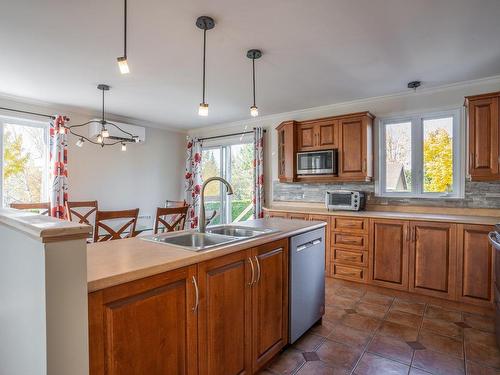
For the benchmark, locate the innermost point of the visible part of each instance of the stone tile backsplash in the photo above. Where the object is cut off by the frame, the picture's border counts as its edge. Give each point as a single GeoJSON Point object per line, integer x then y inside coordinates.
{"type": "Point", "coordinates": [477, 194]}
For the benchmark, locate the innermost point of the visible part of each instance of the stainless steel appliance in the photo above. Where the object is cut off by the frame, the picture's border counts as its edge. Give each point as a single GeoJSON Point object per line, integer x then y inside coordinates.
{"type": "Point", "coordinates": [495, 241]}
{"type": "Point", "coordinates": [317, 162]}
{"type": "Point", "coordinates": [307, 281]}
{"type": "Point", "coordinates": [348, 200]}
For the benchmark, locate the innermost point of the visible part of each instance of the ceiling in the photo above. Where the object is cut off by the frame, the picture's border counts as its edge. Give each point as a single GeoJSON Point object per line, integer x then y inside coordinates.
{"type": "Point", "coordinates": [316, 52]}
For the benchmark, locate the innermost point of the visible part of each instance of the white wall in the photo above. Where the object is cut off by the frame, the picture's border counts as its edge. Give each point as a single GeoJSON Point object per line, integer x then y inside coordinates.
{"type": "Point", "coordinates": [446, 97]}
{"type": "Point", "coordinates": [144, 176]}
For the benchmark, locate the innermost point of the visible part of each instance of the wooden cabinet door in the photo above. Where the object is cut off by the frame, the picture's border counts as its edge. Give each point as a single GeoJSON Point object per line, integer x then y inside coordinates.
{"type": "Point", "coordinates": [328, 244]}
{"type": "Point", "coordinates": [306, 137]}
{"type": "Point", "coordinates": [224, 315]}
{"type": "Point", "coordinates": [297, 216]}
{"type": "Point", "coordinates": [352, 152]}
{"type": "Point", "coordinates": [286, 151]}
{"type": "Point", "coordinates": [484, 139]}
{"type": "Point", "coordinates": [282, 215]}
{"type": "Point", "coordinates": [269, 302]}
{"type": "Point", "coordinates": [146, 326]}
{"type": "Point", "coordinates": [475, 265]}
{"type": "Point", "coordinates": [326, 135]}
{"type": "Point", "coordinates": [433, 259]}
{"type": "Point", "coordinates": [389, 247]}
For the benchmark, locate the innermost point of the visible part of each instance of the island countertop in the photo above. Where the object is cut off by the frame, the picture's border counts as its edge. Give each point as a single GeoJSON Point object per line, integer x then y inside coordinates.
{"type": "Point", "coordinates": [116, 262]}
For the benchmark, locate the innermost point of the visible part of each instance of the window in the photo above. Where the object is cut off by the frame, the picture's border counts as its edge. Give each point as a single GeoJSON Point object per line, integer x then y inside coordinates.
{"type": "Point", "coordinates": [24, 167]}
{"type": "Point", "coordinates": [419, 156]}
{"type": "Point", "coordinates": [234, 162]}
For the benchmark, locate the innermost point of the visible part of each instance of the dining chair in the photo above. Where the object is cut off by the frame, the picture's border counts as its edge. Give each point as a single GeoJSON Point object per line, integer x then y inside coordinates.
{"type": "Point", "coordinates": [81, 211]}
{"type": "Point", "coordinates": [127, 230]}
{"type": "Point", "coordinates": [33, 206]}
{"type": "Point", "coordinates": [172, 218]}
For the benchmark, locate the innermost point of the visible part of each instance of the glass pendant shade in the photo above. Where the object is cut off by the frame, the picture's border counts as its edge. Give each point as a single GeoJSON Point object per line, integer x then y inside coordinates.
{"type": "Point", "coordinates": [99, 138]}
{"type": "Point", "coordinates": [254, 111]}
{"type": "Point", "coordinates": [123, 65]}
{"type": "Point", "coordinates": [124, 147]}
{"type": "Point", "coordinates": [203, 109]}
{"type": "Point", "coordinates": [79, 143]}
{"type": "Point", "coordinates": [105, 133]}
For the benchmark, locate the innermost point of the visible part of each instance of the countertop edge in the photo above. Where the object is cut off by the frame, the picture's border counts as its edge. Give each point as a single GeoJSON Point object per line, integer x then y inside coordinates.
{"type": "Point", "coordinates": [197, 257]}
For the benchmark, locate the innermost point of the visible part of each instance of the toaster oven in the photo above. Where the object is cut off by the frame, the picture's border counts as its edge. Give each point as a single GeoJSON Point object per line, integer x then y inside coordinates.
{"type": "Point", "coordinates": [348, 200]}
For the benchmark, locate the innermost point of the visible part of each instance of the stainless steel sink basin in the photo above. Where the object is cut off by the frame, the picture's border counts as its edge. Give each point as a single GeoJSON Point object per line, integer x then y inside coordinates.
{"type": "Point", "coordinates": [193, 241]}
{"type": "Point", "coordinates": [238, 231]}
{"type": "Point", "coordinates": [214, 236]}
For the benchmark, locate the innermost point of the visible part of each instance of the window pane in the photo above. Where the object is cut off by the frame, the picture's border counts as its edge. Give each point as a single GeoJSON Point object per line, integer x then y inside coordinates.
{"type": "Point", "coordinates": [438, 155]}
{"type": "Point", "coordinates": [242, 181]}
{"type": "Point", "coordinates": [211, 167]}
{"type": "Point", "coordinates": [398, 175]}
{"type": "Point", "coordinates": [24, 164]}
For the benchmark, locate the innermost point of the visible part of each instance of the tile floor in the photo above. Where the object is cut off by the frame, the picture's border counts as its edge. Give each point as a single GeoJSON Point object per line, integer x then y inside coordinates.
{"type": "Point", "coordinates": [367, 333]}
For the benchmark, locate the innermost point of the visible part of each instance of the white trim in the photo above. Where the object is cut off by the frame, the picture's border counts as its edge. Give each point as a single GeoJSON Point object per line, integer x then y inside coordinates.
{"type": "Point", "coordinates": [416, 120]}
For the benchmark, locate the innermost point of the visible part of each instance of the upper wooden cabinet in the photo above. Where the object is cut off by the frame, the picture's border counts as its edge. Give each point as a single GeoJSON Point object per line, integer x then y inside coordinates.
{"type": "Point", "coordinates": [286, 151]}
{"type": "Point", "coordinates": [317, 135]}
{"type": "Point", "coordinates": [484, 137]}
{"type": "Point", "coordinates": [350, 135]}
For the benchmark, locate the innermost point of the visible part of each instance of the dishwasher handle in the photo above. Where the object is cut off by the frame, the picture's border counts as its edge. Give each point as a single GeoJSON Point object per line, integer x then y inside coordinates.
{"type": "Point", "coordinates": [309, 244]}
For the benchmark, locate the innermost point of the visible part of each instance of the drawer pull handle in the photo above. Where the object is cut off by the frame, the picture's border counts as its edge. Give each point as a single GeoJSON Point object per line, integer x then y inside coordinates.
{"type": "Point", "coordinates": [350, 258]}
{"type": "Point", "coordinates": [354, 242]}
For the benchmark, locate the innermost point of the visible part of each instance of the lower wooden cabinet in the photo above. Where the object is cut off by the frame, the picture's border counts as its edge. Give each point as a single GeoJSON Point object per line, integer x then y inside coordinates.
{"type": "Point", "coordinates": [389, 247]}
{"type": "Point", "coordinates": [145, 327]}
{"type": "Point", "coordinates": [227, 315]}
{"type": "Point", "coordinates": [224, 315]}
{"type": "Point", "coordinates": [475, 265]}
{"type": "Point", "coordinates": [433, 254]}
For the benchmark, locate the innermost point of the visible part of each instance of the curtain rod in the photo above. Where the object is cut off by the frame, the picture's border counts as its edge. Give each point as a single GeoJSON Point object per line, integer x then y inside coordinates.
{"type": "Point", "coordinates": [228, 135]}
{"type": "Point", "coordinates": [27, 112]}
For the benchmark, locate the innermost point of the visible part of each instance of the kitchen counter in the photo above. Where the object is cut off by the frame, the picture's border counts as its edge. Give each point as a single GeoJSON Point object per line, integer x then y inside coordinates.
{"type": "Point", "coordinates": [319, 209]}
{"type": "Point", "coordinates": [117, 262]}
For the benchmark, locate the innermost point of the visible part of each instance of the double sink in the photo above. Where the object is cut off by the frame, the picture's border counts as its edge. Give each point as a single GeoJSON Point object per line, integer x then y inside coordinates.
{"type": "Point", "coordinates": [214, 236]}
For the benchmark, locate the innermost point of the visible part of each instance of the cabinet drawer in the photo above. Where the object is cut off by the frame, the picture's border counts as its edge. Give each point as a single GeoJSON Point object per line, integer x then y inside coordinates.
{"type": "Point", "coordinates": [297, 216]}
{"type": "Point", "coordinates": [349, 273]}
{"type": "Point", "coordinates": [350, 241]}
{"type": "Point", "coordinates": [357, 258]}
{"type": "Point", "coordinates": [351, 225]}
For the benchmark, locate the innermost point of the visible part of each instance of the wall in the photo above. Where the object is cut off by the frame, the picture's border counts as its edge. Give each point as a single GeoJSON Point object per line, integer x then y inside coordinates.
{"type": "Point", "coordinates": [144, 176]}
{"type": "Point", "coordinates": [432, 99]}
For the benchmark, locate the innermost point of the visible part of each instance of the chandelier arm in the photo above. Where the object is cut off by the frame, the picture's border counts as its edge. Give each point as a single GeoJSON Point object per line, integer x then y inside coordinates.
{"type": "Point", "coordinates": [120, 129]}
{"type": "Point", "coordinates": [79, 125]}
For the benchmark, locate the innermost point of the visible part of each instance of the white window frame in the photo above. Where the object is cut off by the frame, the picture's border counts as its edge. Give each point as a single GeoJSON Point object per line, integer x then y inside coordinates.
{"type": "Point", "coordinates": [34, 124]}
{"type": "Point", "coordinates": [417, 166]}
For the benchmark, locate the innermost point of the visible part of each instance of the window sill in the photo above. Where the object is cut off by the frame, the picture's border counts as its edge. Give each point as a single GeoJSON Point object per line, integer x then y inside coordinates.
{"type": "Point", "coordinates": [396, 196]}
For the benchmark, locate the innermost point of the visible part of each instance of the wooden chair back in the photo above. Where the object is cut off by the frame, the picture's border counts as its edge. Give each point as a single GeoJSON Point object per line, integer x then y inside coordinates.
{"type": "Point", "coordinates": [127, 230]}
{"type": "Point", "coordinates": [77, 215]}
{"type": "Point", "coordinates": [44, 207]}
{"type": "Point", "coordinates": [172, 218]}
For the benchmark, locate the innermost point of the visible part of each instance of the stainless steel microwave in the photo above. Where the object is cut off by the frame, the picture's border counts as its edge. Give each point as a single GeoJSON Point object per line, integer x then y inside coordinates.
{"type": "Point", "coordinates": [317, 162]}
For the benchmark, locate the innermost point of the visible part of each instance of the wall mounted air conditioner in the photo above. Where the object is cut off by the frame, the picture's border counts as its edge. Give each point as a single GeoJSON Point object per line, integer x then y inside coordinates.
{"type": "Point", "coordinates": [116, 134]}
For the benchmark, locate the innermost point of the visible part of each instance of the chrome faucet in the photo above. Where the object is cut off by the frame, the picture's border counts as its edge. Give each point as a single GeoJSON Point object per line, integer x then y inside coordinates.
{"type": "Point", "coordinates": [202, 224]}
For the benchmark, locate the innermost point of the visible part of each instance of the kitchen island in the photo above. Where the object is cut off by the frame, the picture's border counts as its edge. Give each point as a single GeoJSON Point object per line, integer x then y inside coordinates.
{"type": "Point", "coordinates": [159, 309]}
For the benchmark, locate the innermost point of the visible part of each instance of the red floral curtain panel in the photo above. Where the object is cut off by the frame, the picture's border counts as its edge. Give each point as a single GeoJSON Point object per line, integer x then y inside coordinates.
{"type": "Point", "coordinates": [258, 173]}
{"type": "Point", "coordinates": [58, 166]}
{"type": "Point", "coordinates": [193, 180]}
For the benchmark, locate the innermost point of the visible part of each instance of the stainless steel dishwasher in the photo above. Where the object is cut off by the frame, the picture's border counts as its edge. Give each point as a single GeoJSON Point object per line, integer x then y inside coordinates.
{"type": "Point", "coordinates": [307, 281]}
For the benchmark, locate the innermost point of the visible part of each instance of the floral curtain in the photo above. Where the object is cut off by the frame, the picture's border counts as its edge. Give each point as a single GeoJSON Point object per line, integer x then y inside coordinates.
{"type": "Point", "coordinates": [258, 173]}
{"type": "Point", "coordinates": [58, 166]}
{"type": "Point", "coordinates": [193, 180]}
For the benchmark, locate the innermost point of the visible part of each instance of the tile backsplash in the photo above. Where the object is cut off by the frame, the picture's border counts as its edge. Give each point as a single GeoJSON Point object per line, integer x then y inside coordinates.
{"type": "Point", "coordinates": [477, 194]}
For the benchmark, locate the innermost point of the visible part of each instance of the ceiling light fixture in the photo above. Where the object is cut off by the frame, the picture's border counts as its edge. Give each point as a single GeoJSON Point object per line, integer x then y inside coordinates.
{"type": "Point", "coordinates": [104, 138]}
{"type": "Point", "coordinates": [254, 54]}
{"type": "Point", "coordinates": [204, 23]}
{"type": "Point", "coordinates": [122, 60]}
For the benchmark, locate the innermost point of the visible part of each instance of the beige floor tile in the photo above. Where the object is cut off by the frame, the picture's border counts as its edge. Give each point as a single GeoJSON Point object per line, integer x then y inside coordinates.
{"type": "Point", "coordinates": [416, 371]}
{"type": "Point", "coordinates": [334, 314]}
{"type": "Point", "coordinates": [437, 363]}
{"type": "Point", "coordinates": [485, 355]}
{"type": "Point", "coordinates": [404, 318]}
{"type": "Point", "coordinates": [441, 344]}
{"type": "Point", "coordinates": [398, 331]}
{"type": "Point", "coordinates": [476, 369]}
{"type": "Point", "coordinates": [480, 337]}
{"type": "Point", "coordinates": [324, 328]}
{"type": "Point", "coordinates": [349, 336]}
{"type": "Point", "coordinates": [482, 323]}
{"type": "Point", "coordinates": [391, 348]}
{"type": "Point", "coordinates": [436, 312]}
{"type": "Point", "coordinates": [378, 299]}
{"type": "Point", "coordinates": [361, 322]}
{"type": "Point", "coordinates": [289, 361]}
{"type": "Point", "coordinates": [372, 364]}
{"type": "Point", "coordinates": [372, 310]}
{"type": "Point", "coordinates": [411, 307]}
{"type": "Point", "coordinates": [321, 368]}
{"type": "Point", "coordinates": [442, 327]}
{"type": "Point", "coordinates": [309, 342]}
{"type": "Point", "coordinates": [338, 355]}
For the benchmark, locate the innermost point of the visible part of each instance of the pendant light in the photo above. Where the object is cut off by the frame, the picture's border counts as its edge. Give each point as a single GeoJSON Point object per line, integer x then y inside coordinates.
{"type": "Point", "coordinates": [204, 23]}
{"type": "Point", "coordinates": [254, 54]}
{"type": "Point", "coordinates": [104, 138]}
{"type": "Point", "coordinates": [122, 60]}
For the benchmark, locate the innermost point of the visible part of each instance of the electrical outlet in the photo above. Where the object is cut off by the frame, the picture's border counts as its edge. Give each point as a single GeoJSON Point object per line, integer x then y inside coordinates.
{"type": "Point", "coordinates": [145, 217]}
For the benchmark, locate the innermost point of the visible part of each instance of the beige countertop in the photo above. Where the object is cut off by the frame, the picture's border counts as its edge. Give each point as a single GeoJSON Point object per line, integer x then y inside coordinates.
{"type": "Point", "coordinates": [116, 262]}
{"type": "Point", "coordinates": [484, 217]}
{"type": "Point", "coordinates": [42, 228]}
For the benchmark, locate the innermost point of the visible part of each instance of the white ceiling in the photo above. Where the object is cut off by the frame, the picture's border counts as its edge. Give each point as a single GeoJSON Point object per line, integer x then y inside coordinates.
{"type": "Point", "coordinates": [316, 52]}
